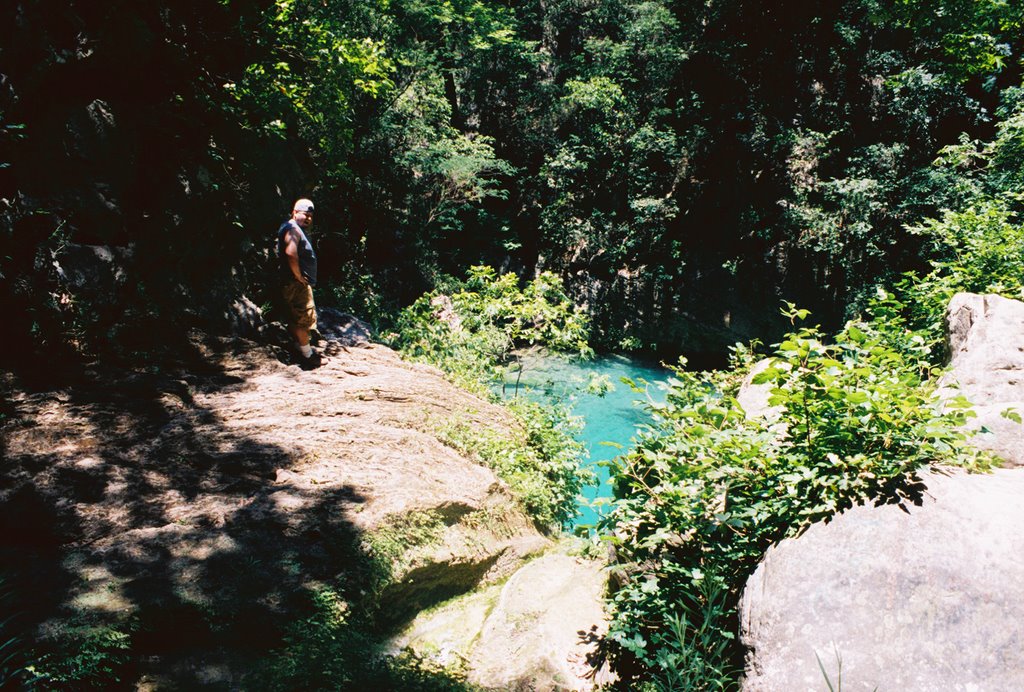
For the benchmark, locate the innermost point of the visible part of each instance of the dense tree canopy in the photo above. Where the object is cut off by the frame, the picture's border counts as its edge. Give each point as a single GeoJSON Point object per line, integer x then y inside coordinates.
{"type": "Point", "coordinates": [683, 166]}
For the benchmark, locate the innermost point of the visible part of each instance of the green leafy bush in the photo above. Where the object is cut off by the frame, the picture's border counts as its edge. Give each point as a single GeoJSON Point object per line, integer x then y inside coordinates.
{"type": "Point", "coordinates": [543, 469]}
{"type": "Point", "coordinates": [707, 490]}
{"type": "Point", "coordinates": [472, 333]}
{"type": "Point", "coordinates": [85, 657]}
{"type": "Point", "coordinates": [976, 250]}
{"type": "Point", "coordinates": [328, 651]}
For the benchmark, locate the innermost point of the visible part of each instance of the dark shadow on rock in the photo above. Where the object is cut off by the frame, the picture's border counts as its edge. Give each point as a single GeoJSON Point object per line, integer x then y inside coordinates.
{"type": "Point", "coordinates": [335, 332]}
{"type": "Point", "coordinates": [33, 530]}
{"type": "Point", "coordinates": [903, 491]}
{"type": "Point", "coordinates": [342, 329]}
{"type": "Point", "coordinates": [426, 587]}
{"type": "Point", "coordinates": [204, 557]}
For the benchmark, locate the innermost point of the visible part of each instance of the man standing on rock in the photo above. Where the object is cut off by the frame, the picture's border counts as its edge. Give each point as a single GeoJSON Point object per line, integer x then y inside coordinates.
{"type": "Point", "coordinates": [298, 272]}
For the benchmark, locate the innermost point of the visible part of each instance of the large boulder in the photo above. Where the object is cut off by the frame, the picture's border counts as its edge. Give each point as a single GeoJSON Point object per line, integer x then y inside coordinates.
{"type": "Point", "coordinates": [205, 500]}
{"type": "Point", "coordinates": [986, 345]}
{"type": "Point", "coordinates": [907, 597]}
{"type": "Point", "coordinates": [544, 627]}
{"type": "Point", "coordinates": [537, 631]}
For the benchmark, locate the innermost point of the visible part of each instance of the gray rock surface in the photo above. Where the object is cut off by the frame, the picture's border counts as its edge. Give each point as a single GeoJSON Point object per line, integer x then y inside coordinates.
{"type": "Point", "coordinates": [754, 397]}
{"type": "Point", "coordinates": [547, 621]}
{"type": "Point", "coordinates": [986, 344]}
{"type": "Point", "coordinates": [235, 483]}
{"type": "Point", "coordinates": [927, 597]}
{"type": "Point", "coordinates": [537, 631]}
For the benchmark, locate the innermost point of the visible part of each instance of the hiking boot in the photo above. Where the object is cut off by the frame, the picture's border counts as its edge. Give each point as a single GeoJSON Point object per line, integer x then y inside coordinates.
{"type": "Point", "coordinates": [311, 363]}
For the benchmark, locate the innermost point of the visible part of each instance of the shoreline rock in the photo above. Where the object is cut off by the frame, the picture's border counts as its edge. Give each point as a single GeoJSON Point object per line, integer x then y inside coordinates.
{"type": "Point", "coordinates": [205, 500]}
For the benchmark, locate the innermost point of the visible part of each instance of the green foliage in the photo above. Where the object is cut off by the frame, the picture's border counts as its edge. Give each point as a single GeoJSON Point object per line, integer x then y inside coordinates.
{"type": "Point", "coordinates": [329, 651]}
{"type": "Point", "coordinates": [429, 169]}
{"type": "Point", "coordinates": [471, 333]}
{"type": "Point", "coordinates": [967, 37]}
{"type": "Point", "coordinates": [976, 250]}
{"type": "Point", "coordinates": [972, 246]}
{"type": "Point", "coordinates": [708, 489]}
{"type": "Point", "coordinates": [599, 385]}
{"type": "Point", "coordinates": [318, 62]}
{"type": "Point", "coordinates": [85, 656]}
{"type": "Point", "coordinates": [991, 169]}
{"type": "Point", "coordinates": [456, 173]}
{"type": "Point", "coordinates": [628, 138]}
{"type": "Point", "coordinates": [633, 143]}
{"type": "Point", "coordinates": [539, 314]}
{"type": "Point", "coordinates": [359, 292]}
{"type": "Point", "coordinates": [543, 469]}
{"type": "Point", "coordinates": [608, 183]}
{"type": "Point", "coordinates": [696, 657]}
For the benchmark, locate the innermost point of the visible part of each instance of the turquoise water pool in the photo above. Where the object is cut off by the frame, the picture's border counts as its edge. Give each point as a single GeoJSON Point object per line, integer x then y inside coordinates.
{"type": "Point", "coordinates": [609, 420]}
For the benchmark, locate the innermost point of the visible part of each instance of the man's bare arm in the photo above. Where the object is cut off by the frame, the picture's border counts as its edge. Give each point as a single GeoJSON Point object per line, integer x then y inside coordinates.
{"type": "Point", "coordinates": [291, 251]}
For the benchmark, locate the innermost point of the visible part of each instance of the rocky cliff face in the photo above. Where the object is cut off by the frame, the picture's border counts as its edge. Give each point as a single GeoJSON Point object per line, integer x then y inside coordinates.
{"type": "Point", "coordinates": [539, 630]}
{"type": "Point", "coordinates": [200, 499]}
